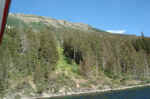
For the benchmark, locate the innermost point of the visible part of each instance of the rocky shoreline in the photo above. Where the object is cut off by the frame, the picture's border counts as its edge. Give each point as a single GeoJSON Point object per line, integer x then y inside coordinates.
{"type": "Point", "coordinates": [48, 95]}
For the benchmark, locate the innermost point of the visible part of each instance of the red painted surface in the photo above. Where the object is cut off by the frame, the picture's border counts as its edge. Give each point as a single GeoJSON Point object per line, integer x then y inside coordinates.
{"type": "Point", "coordinates": [4, 18]}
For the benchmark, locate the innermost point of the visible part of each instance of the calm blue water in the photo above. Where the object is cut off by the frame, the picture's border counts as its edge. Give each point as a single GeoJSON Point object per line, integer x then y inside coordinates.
{"type": "Point", "coordinates": [136, 93]}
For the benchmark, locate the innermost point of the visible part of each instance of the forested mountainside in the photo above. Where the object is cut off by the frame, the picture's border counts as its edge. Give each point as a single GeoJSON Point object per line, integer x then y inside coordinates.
{"type": "Point", "coordinates": [41, 54]}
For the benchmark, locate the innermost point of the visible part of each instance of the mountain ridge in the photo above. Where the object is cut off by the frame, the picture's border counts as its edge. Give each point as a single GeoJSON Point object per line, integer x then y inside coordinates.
{"type": "Point", "coordinates": [51, 21]}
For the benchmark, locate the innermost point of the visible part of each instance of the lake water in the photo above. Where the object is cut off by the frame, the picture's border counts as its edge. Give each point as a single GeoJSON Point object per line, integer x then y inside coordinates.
{"type": "Point", "coordinates": [136, 93]}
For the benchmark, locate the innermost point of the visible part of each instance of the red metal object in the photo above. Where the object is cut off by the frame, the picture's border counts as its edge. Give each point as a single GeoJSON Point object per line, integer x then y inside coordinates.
{"type": "Point", "coordinates": [5, 9]}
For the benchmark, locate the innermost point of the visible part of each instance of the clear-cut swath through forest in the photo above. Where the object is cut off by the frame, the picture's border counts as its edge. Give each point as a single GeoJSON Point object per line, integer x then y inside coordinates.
{"type": "Point", "coordinates": [42, 54]}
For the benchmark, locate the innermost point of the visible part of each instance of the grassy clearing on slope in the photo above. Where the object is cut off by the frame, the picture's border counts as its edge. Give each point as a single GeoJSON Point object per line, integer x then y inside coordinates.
{"type": "Point", "coordinates": [65, 67]}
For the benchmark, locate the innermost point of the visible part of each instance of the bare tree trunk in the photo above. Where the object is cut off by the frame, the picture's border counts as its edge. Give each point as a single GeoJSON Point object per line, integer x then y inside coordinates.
{"type": "Point", "coordinates": [146, 69]}
{"type": "Point", "coordinates": [104, 62]}
{"type": "Point", "coordinates": [96, 67]}
{"type": "Point", "coordinates": [74, 54]}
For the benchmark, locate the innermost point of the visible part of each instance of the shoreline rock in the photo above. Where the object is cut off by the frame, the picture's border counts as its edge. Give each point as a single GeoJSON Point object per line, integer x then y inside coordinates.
{"type": "Point", "coordinates": [47, 95]}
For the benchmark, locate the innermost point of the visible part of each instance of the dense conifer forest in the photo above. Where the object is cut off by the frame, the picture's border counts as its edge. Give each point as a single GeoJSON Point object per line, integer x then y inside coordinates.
{"type": "Point", "coordinates": [36, 57]}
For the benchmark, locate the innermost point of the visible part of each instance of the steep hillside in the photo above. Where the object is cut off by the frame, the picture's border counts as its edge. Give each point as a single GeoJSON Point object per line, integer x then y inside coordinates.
{"type": "Point", "coordinates": [41, 54]}
{"type": "Point", "coordinates": [29, 19]}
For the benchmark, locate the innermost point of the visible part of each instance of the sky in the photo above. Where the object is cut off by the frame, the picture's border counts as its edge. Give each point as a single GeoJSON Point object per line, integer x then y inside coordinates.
{"type": "Point", "coordinates": [119, 16]}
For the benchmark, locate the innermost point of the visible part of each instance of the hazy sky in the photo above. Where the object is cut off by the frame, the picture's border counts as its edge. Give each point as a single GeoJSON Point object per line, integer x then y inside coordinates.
{"type": "Point", "coordinates": [122, 16]}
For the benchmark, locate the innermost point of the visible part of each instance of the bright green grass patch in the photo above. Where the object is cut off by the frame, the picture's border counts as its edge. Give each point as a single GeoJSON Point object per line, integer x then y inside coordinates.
{"type": "Point", "coordinates": [70, 68]}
